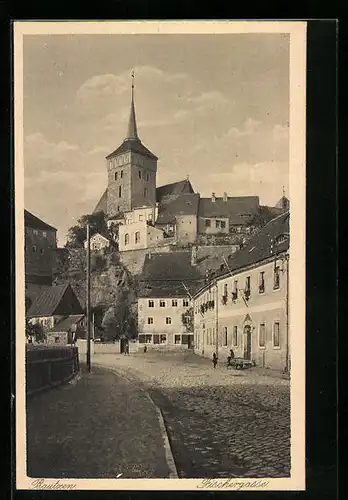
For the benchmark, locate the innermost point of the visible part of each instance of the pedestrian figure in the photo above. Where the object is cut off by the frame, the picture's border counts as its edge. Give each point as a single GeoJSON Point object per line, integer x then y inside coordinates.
{"type": "Point", "coordinates": [145, 348]}
{"type": "Point", "coordinates": [230, 357]}
{"type": "Point", "coordinates": [215, 359]}
{"type": "Point", "coordinates": [127, 349]}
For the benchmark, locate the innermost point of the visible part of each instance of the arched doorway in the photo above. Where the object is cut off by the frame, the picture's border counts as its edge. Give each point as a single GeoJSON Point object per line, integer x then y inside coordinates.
{"type": "Point", "coordinates": [247, 342]}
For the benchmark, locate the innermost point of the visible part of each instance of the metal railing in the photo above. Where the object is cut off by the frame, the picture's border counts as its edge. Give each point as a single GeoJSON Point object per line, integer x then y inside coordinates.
{"type": "Point", "coordinates": [48, 366]}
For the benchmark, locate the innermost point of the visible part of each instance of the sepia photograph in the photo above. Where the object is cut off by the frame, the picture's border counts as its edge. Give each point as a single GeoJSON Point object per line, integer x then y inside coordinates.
{"type": "Point", "coordinates": [160, 255]}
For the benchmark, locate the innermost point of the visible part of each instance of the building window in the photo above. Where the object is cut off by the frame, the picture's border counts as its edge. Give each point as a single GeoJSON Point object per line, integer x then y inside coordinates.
{"type": "Point", "coordinates": [121, 174]}
{"type": "Point", "coordinates": [145, 192]}
{"type": "Point", "coordinates": [162, 303]}
{"type": "Point", "coordinates": [247, 288]}
{"type": "Point", "coordinates": [223, 224]}
{"type": "Point", "coordinates": [207, 222]}
{"type": "Point", "coordinates": [224, 337]}
{"type": "Point", "coordinates": [163, 339]}
{"type": "Point", "coordinates": [184, 339]}
{"type": "Point", "coordinates": [44, 234]}
{"type": "Point", "coordinates": [235, 290]}
{"type": "Point", "coordinates": [34, 248]}
{"type": "Point", "coordinates": [147, 177]}
{"type": "Point", "coordinates": [119, 191]}
{"type": "Point", "coordinates": [140, 217]}
{"type": "Point", "coordinates": [150, 321]}
{"type": "Point", "coordinates": [174, 303]}
{"type": "Point", "coordinates": [151, 303]}
{"type": "Point", "coordinates": [235, 336]}
{"type": "Point", "coordinates": [137, 237]}
{"type": "Point", "coordinates": [116, 176]}
{"type": "Point", "coordinates": [139, 174]}
{"type": "Point", "coordinates": [185, 303]}
{"type": "Point", "coordinates": [126, 239]}
{"type": "Point", "coordinates": [118, 209]}
{"type": "Point", "coordinates": [262, 335]}
{"type": "Point", "coordinates": [276, 282]}
{"type": "Point", "coordinates": [42, 251]}
{"type": "Point", "coordinates": [177, 339]}
{"type": "Point", "coordinates": [145, 339]}
{"type": "Point", "coordinates": [276, 336]}
{"type": "Point", "coordinates": [261, 282]}
{"type": "Point", "coordinates": [156, 339]}
{"type": "Point", "coordinates": [168, 321]}
{"type": "Point", "coordinates": [217, 224]}
{"type": "Point", "coordinates": [35, 232]}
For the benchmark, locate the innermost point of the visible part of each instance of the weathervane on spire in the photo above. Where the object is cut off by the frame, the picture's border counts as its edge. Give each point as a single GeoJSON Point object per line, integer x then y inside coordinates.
{"type": "Point", "coordinates": [132, 74]}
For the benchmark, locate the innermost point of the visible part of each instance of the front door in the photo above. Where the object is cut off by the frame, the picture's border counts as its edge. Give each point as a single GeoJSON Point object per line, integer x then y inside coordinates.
{"type": "Point", "coordinates": [190, 341]}
{"type": "Point", "coordinates": [247, 342]}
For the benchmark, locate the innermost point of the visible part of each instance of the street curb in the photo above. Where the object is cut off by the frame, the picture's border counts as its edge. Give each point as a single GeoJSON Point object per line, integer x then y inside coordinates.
{"type": "Point", "coordinates": [173, 473]}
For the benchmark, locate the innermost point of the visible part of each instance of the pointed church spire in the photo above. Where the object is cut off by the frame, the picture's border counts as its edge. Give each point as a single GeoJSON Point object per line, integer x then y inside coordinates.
{"type": "Point", "coordinates": [132, 133]}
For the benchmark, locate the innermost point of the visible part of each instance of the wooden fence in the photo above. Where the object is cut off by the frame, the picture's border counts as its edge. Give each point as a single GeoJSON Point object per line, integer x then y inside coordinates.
{"type": "Point", "coordinates": [48, 366]}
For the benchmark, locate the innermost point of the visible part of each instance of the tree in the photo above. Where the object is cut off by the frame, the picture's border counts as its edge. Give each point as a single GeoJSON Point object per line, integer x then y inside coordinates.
{"type": "Point", "coordinates": [34, 331]}
{"type": "Point", "coordinates": [77, 234]}
{"type": "Point", "coordinates": [187, 319]}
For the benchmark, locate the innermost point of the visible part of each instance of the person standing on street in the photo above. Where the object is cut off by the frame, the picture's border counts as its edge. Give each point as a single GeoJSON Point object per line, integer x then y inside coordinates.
{"type": "Point", "coordinates": [215, 359]}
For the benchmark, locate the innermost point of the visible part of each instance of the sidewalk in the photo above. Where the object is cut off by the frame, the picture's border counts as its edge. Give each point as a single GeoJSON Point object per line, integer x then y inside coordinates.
{"type": "Point", "coordinates": [98, 426]}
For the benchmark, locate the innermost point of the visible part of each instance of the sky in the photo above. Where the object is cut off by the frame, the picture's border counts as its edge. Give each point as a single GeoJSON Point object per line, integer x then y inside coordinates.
{"type": "Point", "coordinates": [214, 107]}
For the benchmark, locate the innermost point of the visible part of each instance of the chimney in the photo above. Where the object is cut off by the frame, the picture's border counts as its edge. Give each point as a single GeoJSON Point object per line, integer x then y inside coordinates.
{"type": "Point", "coordinates": [213, 197]}
{"type": "Point", "coordinates": [194, 255]}
{"type": "Point", "coordinates": [225, 197]}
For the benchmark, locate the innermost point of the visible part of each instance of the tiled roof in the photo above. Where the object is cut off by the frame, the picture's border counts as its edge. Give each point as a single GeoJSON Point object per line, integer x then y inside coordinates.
{"type": "Point", "coordinates": [102, 203]}
{"type": "Point", "coordinates": [234, 208]}
{"type": "Point", "coordinates": [259, 247]}
{"type": "Point", "coordinates": [164, 274]}
{"type": "Point", "coordinates": [174, 188]}
{"type": "Point", "coordinates": [48, 301]}
{"type": "Point", "coordinates": [134, 145]}
{"type": "Point", "coordinates": [34, 222]}
{"type": "Point", "coordinates": [181, 204]}
{"type": "Point", "coordinates": [66, 324]}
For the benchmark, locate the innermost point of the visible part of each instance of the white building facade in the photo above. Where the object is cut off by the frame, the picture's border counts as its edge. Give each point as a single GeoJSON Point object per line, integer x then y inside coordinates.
{"type": "Point", "coordinates": [246, 309]}
{"type": "Point", "coordinates": [161, 322]}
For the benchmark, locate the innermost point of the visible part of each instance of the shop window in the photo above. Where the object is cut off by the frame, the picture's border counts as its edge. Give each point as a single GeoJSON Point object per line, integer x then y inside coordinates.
{"type": "Point", "coordinates": [163, 339]}
{"type": "Point", "coordinates": [156, 339]}
{"type": "Point", "coordinates": [177, 339]}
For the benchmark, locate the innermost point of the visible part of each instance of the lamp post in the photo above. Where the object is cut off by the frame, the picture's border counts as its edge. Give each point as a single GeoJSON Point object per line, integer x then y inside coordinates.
{"type": "Point", "coordinates": [88, 297]}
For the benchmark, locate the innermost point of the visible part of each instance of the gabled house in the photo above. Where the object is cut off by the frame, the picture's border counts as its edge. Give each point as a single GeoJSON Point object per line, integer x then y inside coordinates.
{"type": "Point", "coordinates": [166, 286]}
{"type": "Point", "coordinates": [53, 305]}
{"type": "Point", "coordinates": [68, 330]}
{"type": "Point", "coordinates": [98, 242]}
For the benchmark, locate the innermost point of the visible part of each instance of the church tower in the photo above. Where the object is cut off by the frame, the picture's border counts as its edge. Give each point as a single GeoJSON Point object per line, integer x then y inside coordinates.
{"type": "Point", "coordinates": [132, 171]}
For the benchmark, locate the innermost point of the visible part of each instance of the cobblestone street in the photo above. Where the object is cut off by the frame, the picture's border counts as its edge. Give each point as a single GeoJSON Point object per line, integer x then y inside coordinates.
{"type": "Point", "coordinates": [221, 423]}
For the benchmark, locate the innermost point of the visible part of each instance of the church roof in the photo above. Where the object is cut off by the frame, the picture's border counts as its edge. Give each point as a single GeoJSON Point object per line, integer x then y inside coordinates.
{"type": "Point", "coordinates": [102, 203]}
{"type": "Point", "coordinates": [134, 145]}
{"type": "Point", "coordinates": [283, 203]}
{"type": "Point", "coordinates": [173, 189]}
{"type": "Point", "coordinates": [132, 141]}
{"type": "Point", "coordinates": [238, 209]}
